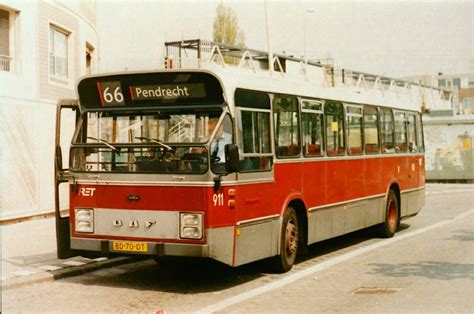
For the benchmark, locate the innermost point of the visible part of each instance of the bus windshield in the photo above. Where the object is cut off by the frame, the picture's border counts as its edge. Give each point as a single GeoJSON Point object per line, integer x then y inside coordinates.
{"type": "Point", "coordinates": [169, 128]}
{"type": "Point", "coordinates": [164, 142]}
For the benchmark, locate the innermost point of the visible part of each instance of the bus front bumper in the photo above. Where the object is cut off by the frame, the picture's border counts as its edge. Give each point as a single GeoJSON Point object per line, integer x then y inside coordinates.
{"type": "Point", "coordinates": [153, 249]}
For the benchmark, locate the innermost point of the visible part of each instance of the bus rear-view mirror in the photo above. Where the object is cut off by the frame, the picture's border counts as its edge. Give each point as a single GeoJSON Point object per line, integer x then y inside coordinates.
{"type": "Point", "coordinates": [232, 161]}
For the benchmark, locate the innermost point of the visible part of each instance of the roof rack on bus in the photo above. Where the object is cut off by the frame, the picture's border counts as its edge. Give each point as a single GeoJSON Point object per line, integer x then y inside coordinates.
{"type": "Point", "coordinates": [208, 50]}
{"type": "Point", "coordinates": [198, 53]}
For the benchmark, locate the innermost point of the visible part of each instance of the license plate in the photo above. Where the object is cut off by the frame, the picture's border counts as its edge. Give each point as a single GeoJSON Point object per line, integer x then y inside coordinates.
{"type": "Point", "coordinates": [126, 246]}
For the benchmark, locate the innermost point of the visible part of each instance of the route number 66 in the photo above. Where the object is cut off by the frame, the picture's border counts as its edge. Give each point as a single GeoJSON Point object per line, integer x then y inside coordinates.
{"type": "Point", "coordinates": [117, 96]}
{"type": "Point", "coordinates": [218, 199]}
{"type": "Point", "coordinates": [111, 93]}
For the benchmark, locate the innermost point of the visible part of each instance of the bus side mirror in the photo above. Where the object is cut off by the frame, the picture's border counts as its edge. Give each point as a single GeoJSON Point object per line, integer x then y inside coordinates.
{"type": "Point", "coordinates": [232, 162]}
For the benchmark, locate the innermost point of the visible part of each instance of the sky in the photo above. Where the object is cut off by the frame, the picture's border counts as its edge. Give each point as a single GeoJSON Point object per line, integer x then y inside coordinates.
{"type": "Point", "coordinates": [390, 38]}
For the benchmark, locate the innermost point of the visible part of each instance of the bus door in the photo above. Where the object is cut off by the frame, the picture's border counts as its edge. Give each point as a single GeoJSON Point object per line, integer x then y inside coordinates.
{"type": "Point", "coordinates": [67, 115]}
{"type": "Point", "coordinates": [256, 196]}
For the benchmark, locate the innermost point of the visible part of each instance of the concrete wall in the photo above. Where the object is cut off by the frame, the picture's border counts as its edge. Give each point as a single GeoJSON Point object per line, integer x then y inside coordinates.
{"type": "Point", "coordinates": [449, 148]}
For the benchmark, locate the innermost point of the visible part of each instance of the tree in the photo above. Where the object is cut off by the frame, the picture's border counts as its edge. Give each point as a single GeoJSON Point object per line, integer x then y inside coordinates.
{"type": "Point", "coordinates": [226, 27]}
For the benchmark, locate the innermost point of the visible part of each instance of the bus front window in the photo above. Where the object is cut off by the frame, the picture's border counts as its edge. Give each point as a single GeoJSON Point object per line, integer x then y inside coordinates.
{"type": "Point", "coordinates": [151, 142]}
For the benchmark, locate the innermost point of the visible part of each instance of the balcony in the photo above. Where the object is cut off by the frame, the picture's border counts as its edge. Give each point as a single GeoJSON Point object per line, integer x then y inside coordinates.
{"type": "Point", "coordinates": [5, 63]}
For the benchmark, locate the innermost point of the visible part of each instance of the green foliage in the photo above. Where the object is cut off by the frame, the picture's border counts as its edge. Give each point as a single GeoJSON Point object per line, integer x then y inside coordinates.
{"type": "Point", "coordinates": [226, 27]}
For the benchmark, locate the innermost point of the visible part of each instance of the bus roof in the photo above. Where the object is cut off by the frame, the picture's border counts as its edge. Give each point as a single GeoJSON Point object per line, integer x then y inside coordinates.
{"type": "Point", "coordinates": [211, 72]}
{"type": "Point", "coordinates": [249, 69]}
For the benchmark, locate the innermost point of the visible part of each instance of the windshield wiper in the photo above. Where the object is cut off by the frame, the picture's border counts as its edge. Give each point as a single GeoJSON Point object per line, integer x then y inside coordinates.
{"type": "Point", "coordinates": [154, 140]}
{"type": "Point", "coordinates": [106, 143]}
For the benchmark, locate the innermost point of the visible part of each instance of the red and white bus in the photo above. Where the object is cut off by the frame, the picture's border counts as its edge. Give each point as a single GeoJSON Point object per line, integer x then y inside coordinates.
{"type": "Point", "coordinates": [304, 159]}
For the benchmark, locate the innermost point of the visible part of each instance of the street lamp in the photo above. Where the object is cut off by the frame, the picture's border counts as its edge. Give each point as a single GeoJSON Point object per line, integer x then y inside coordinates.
{"type": "Point", "coordinates": [304, 36]}
{"type": "Point", "coordinates": [270, 52]}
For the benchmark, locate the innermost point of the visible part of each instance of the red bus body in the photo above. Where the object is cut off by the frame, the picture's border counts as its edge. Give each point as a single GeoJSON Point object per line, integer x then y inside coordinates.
{"type": "Point", "coordinates": [236, 217]}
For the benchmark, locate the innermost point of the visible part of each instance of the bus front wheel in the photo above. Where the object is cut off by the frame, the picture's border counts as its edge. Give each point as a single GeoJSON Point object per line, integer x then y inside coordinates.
{"type": "Point", "coordinates": [392, 216]}
{"type": "Point", "coordinates": [288, 242]}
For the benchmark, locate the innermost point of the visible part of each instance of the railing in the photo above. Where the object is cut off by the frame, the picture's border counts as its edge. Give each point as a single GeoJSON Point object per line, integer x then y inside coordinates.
{"type": "Point", "coordinates": [179, 131]}
{"type": "Point", "coordinates": [5, 63]}
{"type": "Point", "coordinates": [197, 52]}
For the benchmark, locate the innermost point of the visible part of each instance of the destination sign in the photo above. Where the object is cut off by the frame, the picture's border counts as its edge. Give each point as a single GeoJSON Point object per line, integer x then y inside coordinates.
{"type": "Point", "coordinates": [167, 91]}
{"type": "Point", "coordinates": [136, 91]}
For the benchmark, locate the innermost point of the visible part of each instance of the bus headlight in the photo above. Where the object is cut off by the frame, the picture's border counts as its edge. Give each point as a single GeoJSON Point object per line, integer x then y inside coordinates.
{"type": "Point", "coordinates": [190, 226]}
{"type": "Point", "coordinates": [84, 218]}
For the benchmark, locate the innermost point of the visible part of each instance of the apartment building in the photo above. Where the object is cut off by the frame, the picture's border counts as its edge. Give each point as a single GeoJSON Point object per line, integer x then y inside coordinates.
{"type": "Point", "coordinates": [462, 86]}
{"type": "Point", "coordinates": [45, 46]}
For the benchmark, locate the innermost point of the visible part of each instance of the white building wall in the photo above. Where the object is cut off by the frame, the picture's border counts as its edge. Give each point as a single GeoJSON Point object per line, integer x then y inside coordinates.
{"type": "Point", "coordinates": [28, 98]}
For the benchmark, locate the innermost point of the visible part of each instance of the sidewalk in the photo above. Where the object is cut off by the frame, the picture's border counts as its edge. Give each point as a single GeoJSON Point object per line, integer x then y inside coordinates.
{"type": "Point", "coordinates": [28, 255]}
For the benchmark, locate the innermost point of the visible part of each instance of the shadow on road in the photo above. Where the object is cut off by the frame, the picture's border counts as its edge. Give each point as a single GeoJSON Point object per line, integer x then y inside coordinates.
{"type": "Point", "coordinates": [194, 276]}
{"type": "Point", "coordinates": [427, 269]}
{"type": "Point", "coordinates": [463, 235]}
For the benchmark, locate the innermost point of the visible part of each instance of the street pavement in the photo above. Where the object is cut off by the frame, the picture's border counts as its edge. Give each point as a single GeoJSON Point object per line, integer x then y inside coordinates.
{"type": "Point", "coordinates": [29, 255]}
{"type": "Point", "coordinates": [29, 249]}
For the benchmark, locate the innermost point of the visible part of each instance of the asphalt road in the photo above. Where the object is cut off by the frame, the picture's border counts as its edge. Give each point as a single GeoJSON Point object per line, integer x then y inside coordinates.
{"type": "Point", "coordinates": [427, 267]}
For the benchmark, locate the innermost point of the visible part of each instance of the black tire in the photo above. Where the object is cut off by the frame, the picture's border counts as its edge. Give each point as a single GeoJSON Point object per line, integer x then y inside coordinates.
{"type": "Point", "coordinates": [392, 216]}
{"type": "Point", "coordinates": [288, 242]}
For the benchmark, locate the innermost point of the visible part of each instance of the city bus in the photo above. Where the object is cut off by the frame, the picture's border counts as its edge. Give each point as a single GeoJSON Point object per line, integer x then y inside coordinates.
{"type": "Point", "coordinates": [309, 156]}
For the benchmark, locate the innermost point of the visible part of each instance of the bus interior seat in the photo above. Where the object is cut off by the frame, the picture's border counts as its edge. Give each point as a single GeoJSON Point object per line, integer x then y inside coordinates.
{"type": "Point", "coordinates": [371, 148]}
{"type": "Point", "coordinates": [313, 149]}
{"type": "Point", "coordinates": [293, 150]}
{"type": "Point", "coordinates": [282, 151]}
{"type": "Point", "coordinates": [335, 152]}
{"type": "Point", "coordinates": [354, 151]}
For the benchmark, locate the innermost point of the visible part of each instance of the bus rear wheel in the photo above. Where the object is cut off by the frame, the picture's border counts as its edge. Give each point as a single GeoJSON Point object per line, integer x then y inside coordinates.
{"type": "Point", "coordinates": [288, 242]}
{"type": "Point", "coordinates": [392, 216]}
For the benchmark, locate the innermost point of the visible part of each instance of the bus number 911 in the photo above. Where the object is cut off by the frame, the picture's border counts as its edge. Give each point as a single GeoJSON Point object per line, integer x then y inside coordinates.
{"type": "Point", "coordinates": [218, 199]}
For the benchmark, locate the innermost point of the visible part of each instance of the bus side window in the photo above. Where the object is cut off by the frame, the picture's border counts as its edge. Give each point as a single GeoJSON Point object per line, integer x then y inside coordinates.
{"type": "Point", "coordinates": [334, 118]}
{"type": "Point", "coordinates": [400, 132]}
{"type": "Point", "coordinates": [371, 130]}
{"type": "Point", "coordinates": [386, 128]}
{"type": "Point", "coordinates": [354, 129]}
{"type": "Point", "coordinates": [313, 127]}
{"type": "Point", "coordinates": [286, 120]}
{"type": "Point", "coordinates": [253, 124]}
{"type": "Point", "coordinates": [419, 133]}
{"type": "Point", "coordinates": [254, 137]}
{"type": "Point", "coordinates": [411, 131]}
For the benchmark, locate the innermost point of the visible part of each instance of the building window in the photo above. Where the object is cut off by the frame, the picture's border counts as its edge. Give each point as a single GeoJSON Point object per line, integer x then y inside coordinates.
{"type": "Point", "coordinates": [468, 104]}
{"type": "Point", "coordinates": [89, 52]}
{"type": "Point", "coordinates": [470, 82]}
{"type": "Point", "coordinates": [457, 82]}
{"type": "Point", "coordinates": [58, 51]}
{"type": "Point", "coordinates": [441, 83]}
{"type": "Point", "coordinates": [5, 41]}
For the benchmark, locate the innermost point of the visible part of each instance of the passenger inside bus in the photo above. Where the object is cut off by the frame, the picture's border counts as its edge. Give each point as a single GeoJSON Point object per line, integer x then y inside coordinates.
{"type": "Point", "coordinates": [220, 140]}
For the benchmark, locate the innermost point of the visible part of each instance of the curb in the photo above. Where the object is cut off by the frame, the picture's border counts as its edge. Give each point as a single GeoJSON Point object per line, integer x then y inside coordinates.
{"type": "Point", "coordinates": [64, 273]}
{"type": "Point", "coordinates": [27, 217]}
